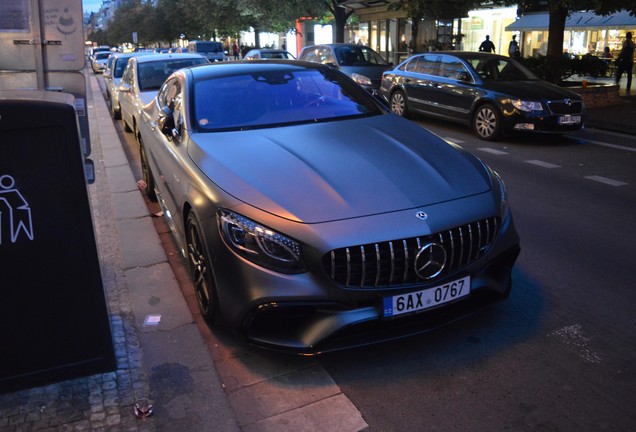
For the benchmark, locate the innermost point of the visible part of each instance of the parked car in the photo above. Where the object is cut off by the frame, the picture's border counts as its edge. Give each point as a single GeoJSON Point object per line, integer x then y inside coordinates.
{"type": "Point", "coordinates": [360, 62]}
{"type": "Point", "coordinates": [259, 54]}
{"type": "Point", "coordinates": [213, 51]}
{"type": "Point", "coordinates": [143, 77]}
{"type": "Point", "coordinates": [112, 78]}
{"type": "Point", "coordinates": [99, 61]}
{"type": "Point", "coordinates": [312, 217]}
{"type": "Point", "coordinates": [493, 94]}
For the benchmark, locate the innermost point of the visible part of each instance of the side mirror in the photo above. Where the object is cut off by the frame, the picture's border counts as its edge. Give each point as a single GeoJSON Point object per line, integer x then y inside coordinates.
{"type": "Point", "coordinates": [166, 122]}
{"type": "Point", "coordinates": [124, 88]}
{"type": "Point", "coordinates": [463, 76]}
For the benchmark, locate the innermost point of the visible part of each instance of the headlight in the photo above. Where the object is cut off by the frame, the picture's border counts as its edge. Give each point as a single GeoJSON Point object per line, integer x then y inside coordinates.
{"type": "Point", "coordinates": [259, 244]}
{"type": "Point", "coordinates": [526, 105]}
{"type": "Point", "coordinates": [361, 79]}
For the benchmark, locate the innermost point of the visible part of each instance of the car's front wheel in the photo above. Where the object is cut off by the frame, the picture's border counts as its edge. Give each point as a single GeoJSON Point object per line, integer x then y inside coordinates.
{"type": "Point", "coordinates": [201, 271]}
{"type": "Point", "coordinates": [146, 173]}
{"type": "Point", "coordinates": [398, 103]}
{"type": "Point", "coordinates": [487, 122]}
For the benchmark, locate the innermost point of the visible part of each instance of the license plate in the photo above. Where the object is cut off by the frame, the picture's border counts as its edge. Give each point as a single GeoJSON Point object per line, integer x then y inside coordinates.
{"type": "Point", "coordinates": [428, 298]}
{"type": "Point", "coordinates": [569, 119]}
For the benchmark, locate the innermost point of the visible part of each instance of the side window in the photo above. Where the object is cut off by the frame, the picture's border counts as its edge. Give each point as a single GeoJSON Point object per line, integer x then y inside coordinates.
{"type": "Point", "coordinates": [426, 64]}
{"type": "Point", "coordinates": [451, 66]}
{"type": "Point", "coordinates": [325, 55]}
{"type": "Point", "coordinates": [171, 96]}
{"type": "Point", "coordinates": [127, 77]}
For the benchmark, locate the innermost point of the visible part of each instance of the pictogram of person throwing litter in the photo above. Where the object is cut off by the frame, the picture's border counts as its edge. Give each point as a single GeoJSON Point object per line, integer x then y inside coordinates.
{"type": "Point", "coordinates": [15, 214]}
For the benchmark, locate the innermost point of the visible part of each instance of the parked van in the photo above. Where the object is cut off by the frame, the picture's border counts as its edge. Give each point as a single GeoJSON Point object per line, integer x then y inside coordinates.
{"type": "Point", "coordinates": [213, 51]}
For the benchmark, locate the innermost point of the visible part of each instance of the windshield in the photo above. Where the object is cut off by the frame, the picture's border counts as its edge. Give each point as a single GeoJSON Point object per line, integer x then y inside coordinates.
{"type": "Point", "coordinates": [102, 55]}
{"type": "Point", "coordinates": [120, 65]}
{"type": "Point", "coordinates": [279, 97]}
{"type": "Point", "coordinates": [153, 74]}
{"type": "Point", "coordinates": [499, 69]}
{"type": "Point", "coordinates": [209, 47]}
{"type": "Point", "coordinates": [358, 56]}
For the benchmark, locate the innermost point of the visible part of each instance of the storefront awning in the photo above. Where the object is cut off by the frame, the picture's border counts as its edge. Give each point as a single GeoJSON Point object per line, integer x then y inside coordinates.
{"type": "Point", "coordinates": [576, 21]}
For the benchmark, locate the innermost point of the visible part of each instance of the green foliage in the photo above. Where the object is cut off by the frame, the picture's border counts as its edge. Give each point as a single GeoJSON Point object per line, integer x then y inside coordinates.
{"type": "Point", "coordinates": [564, 68]}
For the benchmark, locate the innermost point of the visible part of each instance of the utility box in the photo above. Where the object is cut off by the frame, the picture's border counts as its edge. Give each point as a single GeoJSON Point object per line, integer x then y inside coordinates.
{"type": "Point", "coordinates": [54, 321]}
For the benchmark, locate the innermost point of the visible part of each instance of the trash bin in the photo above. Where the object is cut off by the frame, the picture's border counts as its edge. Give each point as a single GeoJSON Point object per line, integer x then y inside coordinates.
{"type": "Point", "coordinates": [54, 321]}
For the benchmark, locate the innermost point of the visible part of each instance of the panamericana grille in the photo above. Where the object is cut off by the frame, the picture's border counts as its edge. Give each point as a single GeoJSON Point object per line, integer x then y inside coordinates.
{"type": "Point", "coordinates": [566, 106]}
{"type": "Point", "coordinates": [392, 263]}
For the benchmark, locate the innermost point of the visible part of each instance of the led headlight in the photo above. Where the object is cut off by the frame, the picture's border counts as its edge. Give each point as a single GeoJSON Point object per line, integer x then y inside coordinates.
{"type": "Point", "coordinates": [361, 79]}
{"type": "Point", "coordinates": [259, 244]}
{"type": "Point", "coordinates": [526, 105]}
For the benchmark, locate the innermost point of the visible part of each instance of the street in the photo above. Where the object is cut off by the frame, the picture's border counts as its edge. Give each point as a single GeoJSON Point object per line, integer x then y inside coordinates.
{"type": "Point", "coordinates": [558, 355]}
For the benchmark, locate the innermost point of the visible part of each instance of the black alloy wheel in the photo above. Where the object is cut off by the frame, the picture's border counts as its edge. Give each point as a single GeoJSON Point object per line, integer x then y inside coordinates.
{"type": "Point", "coordinates": [146, 173]}
{"type": "Point", "coordinates": [201, 271]}
{"type": "Point", "coordinates": [487, 122]}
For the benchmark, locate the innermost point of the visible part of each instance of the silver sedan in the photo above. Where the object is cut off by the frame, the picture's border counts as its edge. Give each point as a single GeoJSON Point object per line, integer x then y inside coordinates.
{"type": "Point", "coordinates": [314, 219]}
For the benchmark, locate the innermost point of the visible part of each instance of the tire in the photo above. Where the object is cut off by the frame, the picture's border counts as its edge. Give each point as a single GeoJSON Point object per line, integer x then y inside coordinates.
{"type": "Point", "coordinates": [126, 127]}
{"type": "Point", "coordinates": [115, 112]}
{"type": "Point", "coordinates": [147, 174]}
{"type": "Point", "coordinates": [398, 103]}
{"type": "Point", "coordinates": [486, 122]}
{"type": "Point", "coordinates": [201, 272]}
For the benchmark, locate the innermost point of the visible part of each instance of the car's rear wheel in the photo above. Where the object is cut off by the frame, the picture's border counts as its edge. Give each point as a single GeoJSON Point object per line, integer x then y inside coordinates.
{"type": "Point", "coordinates": [201, 271]}
{"type": "Point", "coordinates": [146, 173]}
{"type": "Point", "coordinates": [398, 103]}
{"type": "Point", "coordinates": [115, 111]}
{"type": "Point", "coordinates": [487, 122]}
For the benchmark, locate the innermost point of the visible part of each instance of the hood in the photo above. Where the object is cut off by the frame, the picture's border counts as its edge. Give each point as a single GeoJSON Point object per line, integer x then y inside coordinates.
{"type": "Point", "coordinates": [338, 170]}
{"type": "Point", "coordinates": [373, 72]}
{"type": "Point", "coordinates": [532, 90]}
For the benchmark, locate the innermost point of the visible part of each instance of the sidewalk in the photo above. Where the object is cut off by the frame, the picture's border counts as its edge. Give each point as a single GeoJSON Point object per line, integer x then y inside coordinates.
{"type": "Point", "coordinates": [167, 364]}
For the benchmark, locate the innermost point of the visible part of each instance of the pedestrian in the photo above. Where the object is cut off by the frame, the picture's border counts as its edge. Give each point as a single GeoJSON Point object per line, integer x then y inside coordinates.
{"type": "Point", "coordinates": [513, 48]}
{"type": "Point", "coordinates": [625, 61]}
{"type": "Point", "coordinates": [487, 45]}
{"type": "Point", "coordinates": [235, 51]}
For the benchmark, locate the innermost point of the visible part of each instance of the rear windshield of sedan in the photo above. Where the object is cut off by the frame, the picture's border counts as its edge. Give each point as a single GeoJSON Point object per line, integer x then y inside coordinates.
{"type": "Point", "coordinates": [276, 98]}
{"type": "Point", "coordinates": [152, 74]}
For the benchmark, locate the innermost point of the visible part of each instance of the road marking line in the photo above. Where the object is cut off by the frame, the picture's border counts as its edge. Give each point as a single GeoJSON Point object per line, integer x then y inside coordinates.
{"type": "Point", "coordinates": [574, 336]}
{"type": "Point", "coordinates": [492, 151]}
{"type": "Point", "coordinates": [615, 146]}
{"type": "Point", "coordinates": [606, 180]}
{"type": "Point", "coordinates": [542, 164]}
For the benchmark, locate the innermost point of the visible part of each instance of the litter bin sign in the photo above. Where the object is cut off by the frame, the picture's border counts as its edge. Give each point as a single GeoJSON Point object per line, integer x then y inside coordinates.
{"type": "Point", "coordinates": [54, 321]}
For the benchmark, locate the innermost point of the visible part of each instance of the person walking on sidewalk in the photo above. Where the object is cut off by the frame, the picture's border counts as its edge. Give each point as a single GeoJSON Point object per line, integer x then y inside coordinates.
{"type": "Point", "coordinates": [487, 45]}
{"type": "Point", "coordinates": [626, 61]}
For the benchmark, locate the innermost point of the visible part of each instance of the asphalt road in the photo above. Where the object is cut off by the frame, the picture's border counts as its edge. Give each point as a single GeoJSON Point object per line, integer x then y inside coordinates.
{"type": "Point", "coordinates": [559, 354]}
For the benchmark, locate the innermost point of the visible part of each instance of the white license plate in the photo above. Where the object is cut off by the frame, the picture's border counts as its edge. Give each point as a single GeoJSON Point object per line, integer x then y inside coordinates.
{"type": "Point", "coordinates": [428, 298]}
{"type": "Point", "coordinates": [569, 119]}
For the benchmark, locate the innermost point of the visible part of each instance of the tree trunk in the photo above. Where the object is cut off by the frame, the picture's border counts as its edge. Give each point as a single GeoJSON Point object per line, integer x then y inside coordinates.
{"type": "Point", "coordinates": [558, 15]}
{"type": "Point", "coordinates": [556, 28]}
{"type": "Point", "coordinates": [340, 15]}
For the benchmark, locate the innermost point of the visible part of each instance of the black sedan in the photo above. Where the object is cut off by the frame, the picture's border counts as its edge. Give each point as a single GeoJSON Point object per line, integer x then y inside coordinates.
{"type": "Point", "coordinates": [493, 94]}
{"type": "Point", "coordinates": [312, 217]}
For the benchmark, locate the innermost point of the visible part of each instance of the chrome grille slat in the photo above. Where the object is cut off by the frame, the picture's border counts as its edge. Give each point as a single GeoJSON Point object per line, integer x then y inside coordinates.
{"type": "Point", "coordinates": [385, 264]}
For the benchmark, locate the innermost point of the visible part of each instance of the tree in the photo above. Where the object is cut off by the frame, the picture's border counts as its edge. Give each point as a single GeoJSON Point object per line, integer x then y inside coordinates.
{"type": "Point", "coordinates": [417, 10]}
{"type": "Point", "coordinates": [558, 12]}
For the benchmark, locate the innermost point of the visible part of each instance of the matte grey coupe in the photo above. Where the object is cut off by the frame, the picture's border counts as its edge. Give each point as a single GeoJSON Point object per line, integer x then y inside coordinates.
{"type": "Point", "coordinates": [312, 217]}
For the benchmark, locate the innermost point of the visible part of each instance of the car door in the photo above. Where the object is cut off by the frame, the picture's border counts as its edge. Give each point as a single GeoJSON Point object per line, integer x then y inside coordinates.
{"type": "Point", "coordinates": [127, 87]}
{"type": "Point", "coordinates": [165, 150]}
{"type": "Point", "coordinates": [454, 89]}
{"type": "Point", "coordinates": [418, 80]}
